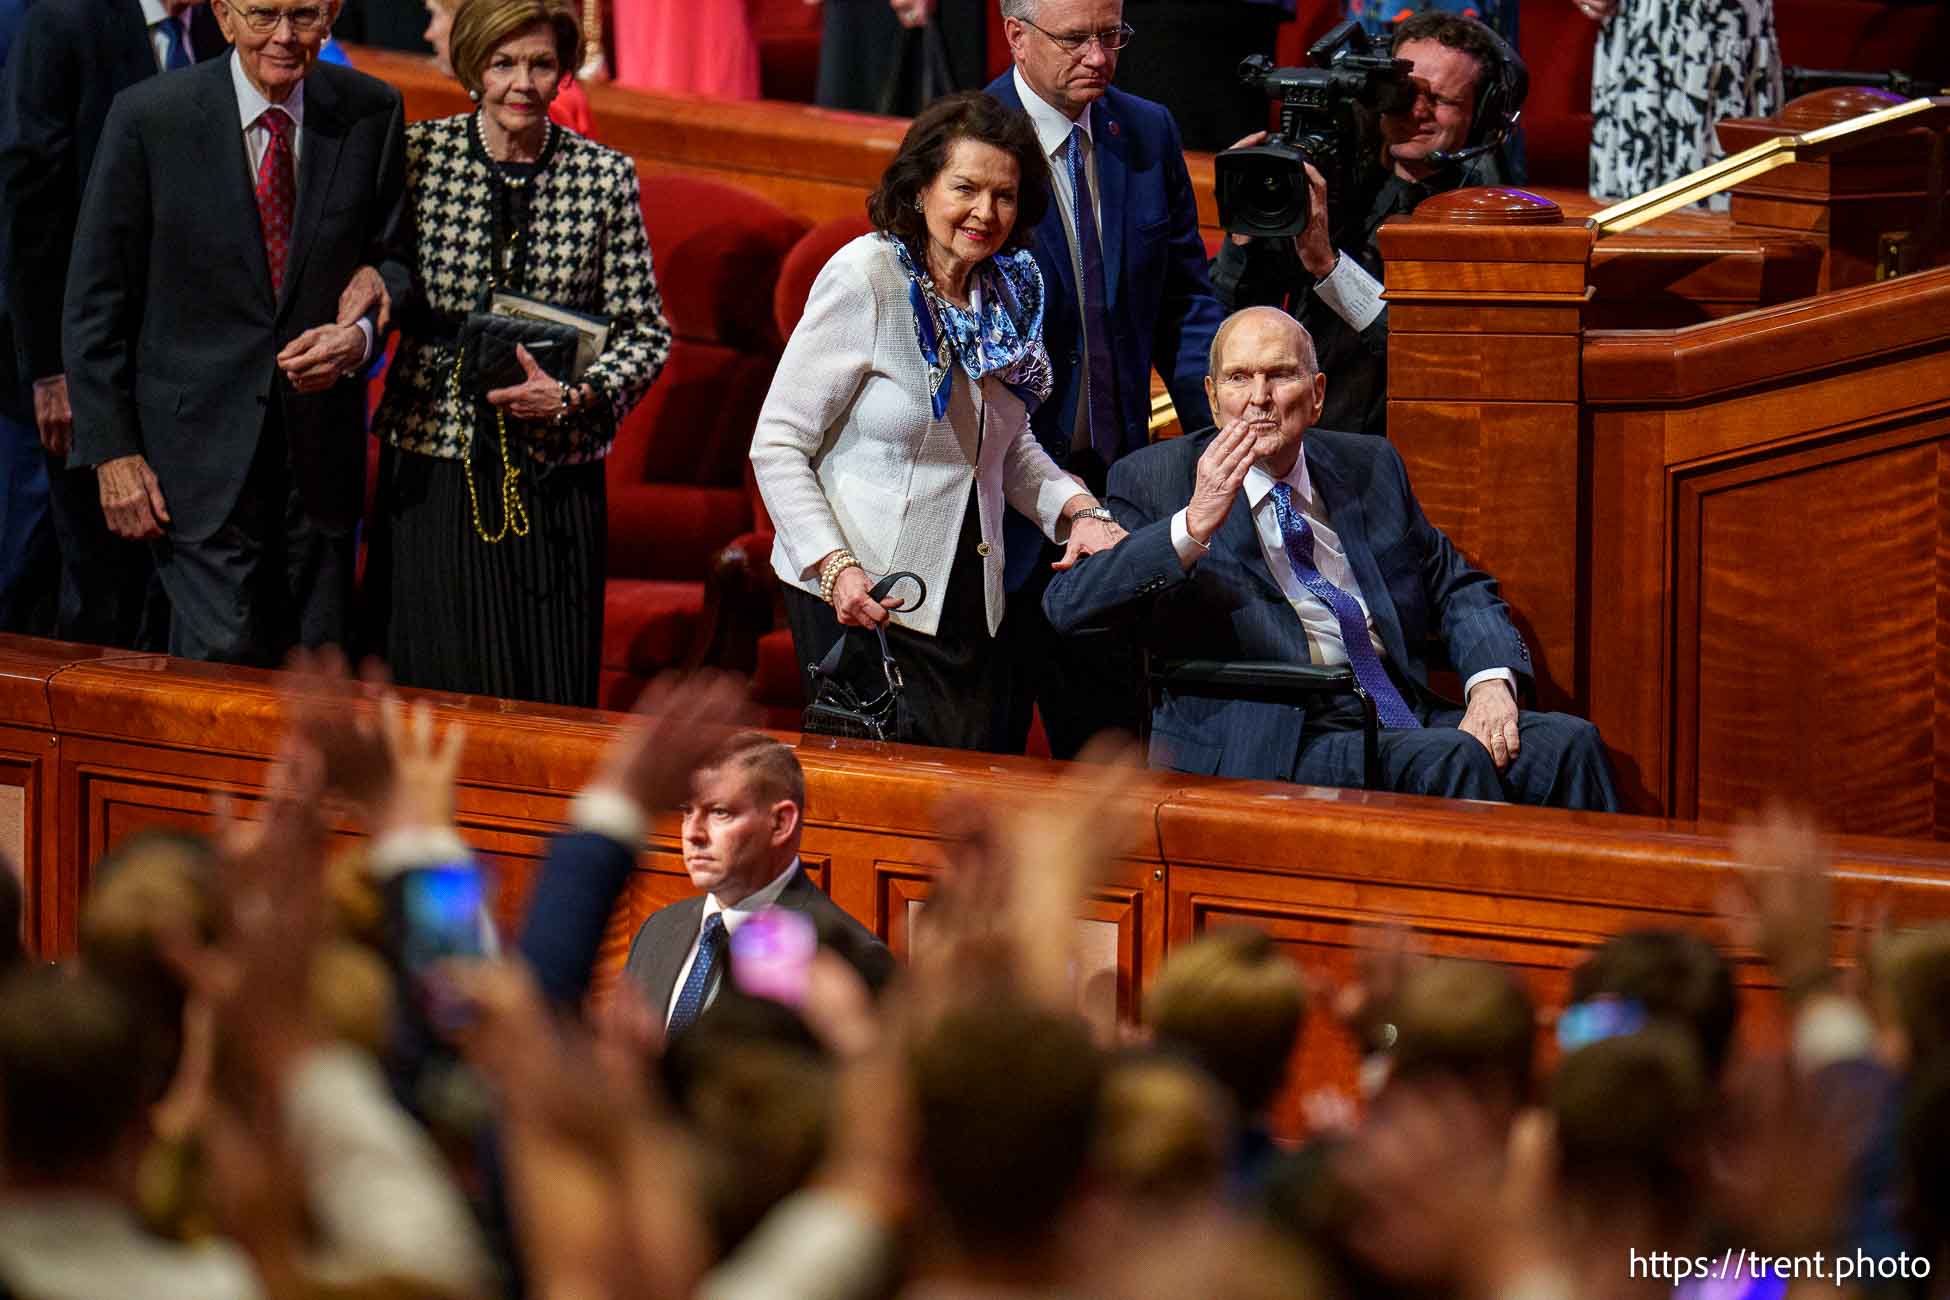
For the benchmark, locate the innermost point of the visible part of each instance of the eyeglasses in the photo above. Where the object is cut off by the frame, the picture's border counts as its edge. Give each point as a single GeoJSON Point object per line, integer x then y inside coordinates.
{"type": "Point", "coordinates": [262, 19]}
{"type": "Point", "coordinates": [1073, 43]}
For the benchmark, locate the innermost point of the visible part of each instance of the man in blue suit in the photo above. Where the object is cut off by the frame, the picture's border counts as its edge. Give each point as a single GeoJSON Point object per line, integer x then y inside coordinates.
{"type": "Point", "coordinates": [1127, 291]}
{"type": "Point", "coordinates": [1263, 540]}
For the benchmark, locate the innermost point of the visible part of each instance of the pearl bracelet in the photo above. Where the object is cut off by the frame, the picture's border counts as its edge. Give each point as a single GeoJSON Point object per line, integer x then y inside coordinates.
{"type": "Point", "coordinates": [829, 575]}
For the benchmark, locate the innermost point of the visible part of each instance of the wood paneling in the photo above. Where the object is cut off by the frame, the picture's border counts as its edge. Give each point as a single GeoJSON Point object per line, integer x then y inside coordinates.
{"type": "Point", "coordinates": [1820, 666]}
{"type": "Point", "coordinates": [1765, 590]}
{"type": "Point", "coordinates": [155, 741]}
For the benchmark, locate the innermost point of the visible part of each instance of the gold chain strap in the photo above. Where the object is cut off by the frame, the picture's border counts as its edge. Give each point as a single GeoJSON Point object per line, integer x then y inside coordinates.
{"type": "Point", "coordinates": [514, 515]}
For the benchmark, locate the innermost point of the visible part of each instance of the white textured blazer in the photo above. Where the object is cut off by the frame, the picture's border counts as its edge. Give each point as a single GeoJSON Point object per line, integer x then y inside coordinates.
{"type": "Point", "coordinates": [847, 452]}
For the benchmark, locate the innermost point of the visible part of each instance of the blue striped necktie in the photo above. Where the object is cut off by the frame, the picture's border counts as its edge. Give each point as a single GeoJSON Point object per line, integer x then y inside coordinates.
{"type": "Point", "coordinates": [1389, 705]}
{"type": "Point", "coordinates": [1100, 366]}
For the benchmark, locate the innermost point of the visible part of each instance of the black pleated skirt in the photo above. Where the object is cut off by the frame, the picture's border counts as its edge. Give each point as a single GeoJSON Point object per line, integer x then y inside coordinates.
{"type": "Point", "coordinates": [521, 618]}
{"type": "Point", "coordinates": [956, 680]}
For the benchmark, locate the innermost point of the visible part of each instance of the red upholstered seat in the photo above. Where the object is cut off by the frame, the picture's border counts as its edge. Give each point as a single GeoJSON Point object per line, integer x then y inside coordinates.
{"type": "Point", "coordinates": [677, 476]}
{"type": "Point", "coordinates": [647, 626]}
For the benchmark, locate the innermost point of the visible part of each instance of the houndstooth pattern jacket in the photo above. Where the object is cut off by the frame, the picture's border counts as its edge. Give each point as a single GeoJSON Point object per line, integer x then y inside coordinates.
{"type": "Point", "coordinates": [586, 249]}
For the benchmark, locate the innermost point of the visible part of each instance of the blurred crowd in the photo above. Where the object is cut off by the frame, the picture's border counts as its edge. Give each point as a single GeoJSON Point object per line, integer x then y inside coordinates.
{"type": "Point", "coordinates": [255, 1079]}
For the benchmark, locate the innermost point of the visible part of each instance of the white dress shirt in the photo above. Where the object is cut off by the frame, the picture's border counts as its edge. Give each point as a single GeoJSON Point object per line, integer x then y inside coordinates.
{"type": "Point", "coordinates": [1323, 629]}
{"type": "Point", "coordinates": [1350, 292]}
{"type": "Point", "coordinates": [155, 13]}
{"type": "Point", "coordinates": [734, 916]}
{"type": "Point", "coordinates": [251, 106]}
{"type": "Point", "coordinates": [1053, 133]}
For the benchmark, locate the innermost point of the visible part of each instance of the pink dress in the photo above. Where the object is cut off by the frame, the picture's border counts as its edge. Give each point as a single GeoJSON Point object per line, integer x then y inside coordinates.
{"type": "Point", "coordinates": [686, 47]}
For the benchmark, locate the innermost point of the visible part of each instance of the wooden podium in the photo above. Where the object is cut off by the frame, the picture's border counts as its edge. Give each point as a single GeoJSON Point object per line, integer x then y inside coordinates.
{"type": "Point", "coordinates": [1729, 539]}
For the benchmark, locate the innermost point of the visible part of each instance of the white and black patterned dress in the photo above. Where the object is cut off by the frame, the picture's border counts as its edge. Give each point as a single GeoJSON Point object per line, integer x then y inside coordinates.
{"type": "Point", "coordinates": [521, 618]}
{"type": "Point", "coordinates": [1664, 72]}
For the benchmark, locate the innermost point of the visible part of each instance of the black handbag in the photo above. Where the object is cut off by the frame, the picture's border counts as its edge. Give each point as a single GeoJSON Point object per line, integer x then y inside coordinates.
{"type": "Point", "coordinates": [487, 351]}
{"type": "Point", "coordinates": [838, 707]}
{"type": "Point", "coordinates": [563, 341]}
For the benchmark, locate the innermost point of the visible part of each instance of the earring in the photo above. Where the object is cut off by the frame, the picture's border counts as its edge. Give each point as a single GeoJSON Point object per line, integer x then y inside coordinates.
{"type": "Point", "coordinates": [919, 206]}
{"type": "Point", "coordinates": [474, 95]}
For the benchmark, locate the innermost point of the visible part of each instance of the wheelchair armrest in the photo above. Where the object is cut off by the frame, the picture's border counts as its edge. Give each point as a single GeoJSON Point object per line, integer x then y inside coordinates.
{"type": "Point", "coordinates": [1261, 679]}
{"type": "Point", "coordinates": [1250, 677]}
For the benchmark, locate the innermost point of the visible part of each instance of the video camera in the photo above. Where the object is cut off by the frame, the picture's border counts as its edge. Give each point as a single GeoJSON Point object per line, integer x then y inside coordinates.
{"type": "Point", "coordinates": [1327, 118]}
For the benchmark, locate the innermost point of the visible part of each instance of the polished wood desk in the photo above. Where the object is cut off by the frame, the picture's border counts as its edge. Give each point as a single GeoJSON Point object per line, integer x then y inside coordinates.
{"type": "Point", "coordinates": [99, 744]}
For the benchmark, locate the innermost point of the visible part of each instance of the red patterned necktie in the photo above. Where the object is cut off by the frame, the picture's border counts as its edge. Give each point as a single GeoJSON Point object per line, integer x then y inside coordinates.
{"type": "Point", "coordinates": [277, 193]}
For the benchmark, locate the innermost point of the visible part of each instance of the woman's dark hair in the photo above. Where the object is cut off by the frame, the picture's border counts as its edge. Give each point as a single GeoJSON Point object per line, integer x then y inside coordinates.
{"type": "Point", "coordinates": [969, 115]}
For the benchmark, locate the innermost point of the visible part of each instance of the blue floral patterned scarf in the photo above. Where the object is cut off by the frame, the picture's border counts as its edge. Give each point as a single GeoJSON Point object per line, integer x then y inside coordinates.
{"type": "Point", "coordinates": [1003, 338]}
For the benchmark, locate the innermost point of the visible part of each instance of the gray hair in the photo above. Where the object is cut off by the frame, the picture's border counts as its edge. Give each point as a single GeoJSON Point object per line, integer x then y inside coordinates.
{"type": "Point", "coordinates": [1307, 358]}
{"type": "Point", "coordinates": [1023, 9]}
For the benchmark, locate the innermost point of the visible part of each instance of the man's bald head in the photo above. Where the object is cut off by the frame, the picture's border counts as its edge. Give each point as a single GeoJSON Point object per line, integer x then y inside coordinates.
{"type": "Point", "coordinates": [1270, 314]}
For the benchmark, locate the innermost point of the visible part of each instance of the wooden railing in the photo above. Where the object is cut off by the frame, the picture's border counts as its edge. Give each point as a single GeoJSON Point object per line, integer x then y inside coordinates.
{"type": "Point", "coordinates": [95, 745]}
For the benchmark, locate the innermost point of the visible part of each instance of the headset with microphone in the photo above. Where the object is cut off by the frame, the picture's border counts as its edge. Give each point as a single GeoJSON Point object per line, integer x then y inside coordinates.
{"type": "Point", "coordinates": [1499, 104]}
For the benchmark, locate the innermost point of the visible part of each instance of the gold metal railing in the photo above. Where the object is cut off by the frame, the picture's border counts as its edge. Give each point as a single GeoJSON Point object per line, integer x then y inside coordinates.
{"type": "Point", "coordinates": [1765, 157]}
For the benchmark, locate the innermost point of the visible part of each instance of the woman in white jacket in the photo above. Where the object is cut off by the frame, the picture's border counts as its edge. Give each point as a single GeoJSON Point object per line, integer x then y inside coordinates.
{"type": "Point", "coordinates": [897, 426]}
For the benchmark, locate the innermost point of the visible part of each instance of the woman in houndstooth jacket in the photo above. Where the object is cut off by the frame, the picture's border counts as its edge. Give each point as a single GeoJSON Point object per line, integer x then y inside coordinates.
{"type": "Point", "coordinates": [488, 550]}
{"type": "Point", "coordinates": [898, 422]}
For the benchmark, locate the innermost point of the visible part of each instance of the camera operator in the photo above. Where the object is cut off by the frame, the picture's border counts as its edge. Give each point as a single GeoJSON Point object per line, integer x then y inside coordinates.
{"type": "Point", "coordinates": [1331, 279]}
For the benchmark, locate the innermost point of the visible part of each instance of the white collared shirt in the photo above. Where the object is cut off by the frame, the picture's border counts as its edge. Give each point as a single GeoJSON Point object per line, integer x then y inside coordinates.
{"type": "Point", "coordinates": [154, 13]}
{"type": "Point", "coordinates": [1053, 134]}
{"type": "Point", "coordinates": [250, 107]}
{"type": "Point", "coordinates": [734, 916]}
{"type": "Point", "coordinates": [1323, 629]}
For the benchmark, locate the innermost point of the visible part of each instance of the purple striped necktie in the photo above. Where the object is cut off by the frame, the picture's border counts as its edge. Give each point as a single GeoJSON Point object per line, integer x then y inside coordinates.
{"type": "Point", "coordinates": [1389, 705]}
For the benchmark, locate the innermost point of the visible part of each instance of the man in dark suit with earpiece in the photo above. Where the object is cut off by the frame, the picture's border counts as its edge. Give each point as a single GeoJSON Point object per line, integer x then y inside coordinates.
{"type": "Point", "coordinates": [741, 831]}
{"type": "Point", "coordinates": [1471, 86]}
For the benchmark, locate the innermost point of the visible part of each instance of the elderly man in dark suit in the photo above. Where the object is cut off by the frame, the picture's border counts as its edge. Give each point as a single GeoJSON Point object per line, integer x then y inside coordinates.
{"type": "Point", "coordinates": [742, 825]}
{"type": "Point", "coordinates": [1127, 293]}
{"type": "Point", "coordinates": [229, 206]}
{"type": "Point", "coordinates": [72, 58]}
{"type": "Point", "coordinates": [1263, 539]}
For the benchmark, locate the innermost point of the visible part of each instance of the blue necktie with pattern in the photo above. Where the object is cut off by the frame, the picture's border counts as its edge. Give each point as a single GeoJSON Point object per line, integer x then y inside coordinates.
{"type": "Point", "coordinates": [1389, 705]}
{"type": "Point", "coordinates": [177, 55]}
{"type": "Point", "coordinates": [1105, 434]}
{"type": "Point", "coordinates": [710, 951]}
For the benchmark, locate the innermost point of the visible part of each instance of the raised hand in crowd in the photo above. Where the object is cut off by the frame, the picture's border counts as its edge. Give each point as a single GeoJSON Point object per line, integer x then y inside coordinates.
{"type": "Point", "coordinates": [1783, 904]}
{"type": "Point", "coordinates": [679, 721]}
{"type": "Point", "coordinates": [599, 1179]}
{"type": "Point", "coordinates": [1018, 877]}
{"type": "Point", "coordinates": [1442, 1198]}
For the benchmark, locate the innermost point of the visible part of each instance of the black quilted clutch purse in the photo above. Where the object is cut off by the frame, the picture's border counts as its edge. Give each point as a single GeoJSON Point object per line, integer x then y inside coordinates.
{"type": "Point", "coordinates": [842, 704]}
{"type": "Point", "coordinates": [487, 351]}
